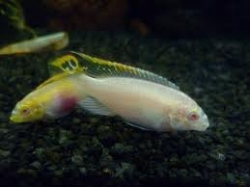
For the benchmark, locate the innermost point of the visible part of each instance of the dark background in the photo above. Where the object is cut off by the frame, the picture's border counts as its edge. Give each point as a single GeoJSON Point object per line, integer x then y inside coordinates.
{"type": "Point", "coordinates": [202, 46]}
{"type": "Point", "coordinates": [168, 18]}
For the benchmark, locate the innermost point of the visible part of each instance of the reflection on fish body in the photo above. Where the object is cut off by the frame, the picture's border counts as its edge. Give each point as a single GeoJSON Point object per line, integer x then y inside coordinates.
{"type": "Point", "coordinates": [143, 99]}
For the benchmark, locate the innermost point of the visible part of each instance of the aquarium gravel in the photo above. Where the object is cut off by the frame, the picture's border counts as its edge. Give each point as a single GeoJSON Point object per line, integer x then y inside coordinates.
{"type": "Point", "coordinates": [83, 149]}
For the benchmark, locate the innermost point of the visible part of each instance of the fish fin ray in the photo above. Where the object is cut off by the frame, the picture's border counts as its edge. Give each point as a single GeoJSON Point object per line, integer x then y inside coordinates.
{"type": "Point", "coordinates": [68, 63]}
{"type": "Point", "coordinates": [97, 67]}
{"type": "Point", "coordinates": [94, 106]}
{"type": "Point", "coordinates": [62, 67]}
{"type": "Point", "coordinates": [138, 126]}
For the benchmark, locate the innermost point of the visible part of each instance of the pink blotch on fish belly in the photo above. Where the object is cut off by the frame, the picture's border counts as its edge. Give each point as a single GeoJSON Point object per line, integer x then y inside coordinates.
{"type": "Point", "coordinates": [67, 103]}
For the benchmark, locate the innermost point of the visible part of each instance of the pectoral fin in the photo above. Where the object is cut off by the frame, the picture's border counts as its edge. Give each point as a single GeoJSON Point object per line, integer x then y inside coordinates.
{"type": "Point", "coordinates": [94, 106]}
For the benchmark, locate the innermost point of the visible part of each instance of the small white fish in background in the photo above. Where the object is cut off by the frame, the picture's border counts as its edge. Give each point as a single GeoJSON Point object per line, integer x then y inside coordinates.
{"type": "Point", "coordinates": [53, 41]}
{"type": "Point", "coordinates": [143, 99]}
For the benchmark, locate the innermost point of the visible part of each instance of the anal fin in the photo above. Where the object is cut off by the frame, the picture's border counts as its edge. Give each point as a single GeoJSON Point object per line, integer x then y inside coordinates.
{"type": "Point", "coordinates": [138, 126]}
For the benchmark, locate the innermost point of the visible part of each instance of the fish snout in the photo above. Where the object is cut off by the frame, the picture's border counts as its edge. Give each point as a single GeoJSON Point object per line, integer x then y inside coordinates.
{"type": "Point", "coordinates": [14, 117]}
{"type": "Point", "coordinates": [204, 123]}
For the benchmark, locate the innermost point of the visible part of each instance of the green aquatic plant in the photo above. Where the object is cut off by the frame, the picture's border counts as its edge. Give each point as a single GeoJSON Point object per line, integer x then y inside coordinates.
{"type": "Point", "coordinates": [12, 17]}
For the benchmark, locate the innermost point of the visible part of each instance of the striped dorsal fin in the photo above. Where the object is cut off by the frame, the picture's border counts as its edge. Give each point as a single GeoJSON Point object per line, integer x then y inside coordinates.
{"type": "Point", "coordinates": [74, 62]}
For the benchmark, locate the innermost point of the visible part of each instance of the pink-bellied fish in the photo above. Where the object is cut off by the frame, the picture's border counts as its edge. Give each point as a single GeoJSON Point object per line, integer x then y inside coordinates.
{"type": "Point", "coordinates": [143, 99]}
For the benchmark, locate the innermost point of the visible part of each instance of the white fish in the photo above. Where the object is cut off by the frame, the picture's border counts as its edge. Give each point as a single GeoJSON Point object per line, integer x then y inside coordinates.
{"type": "Point", "coordinates": [53, 41]}
{"type": "Point", "coordinates": [141, 98]}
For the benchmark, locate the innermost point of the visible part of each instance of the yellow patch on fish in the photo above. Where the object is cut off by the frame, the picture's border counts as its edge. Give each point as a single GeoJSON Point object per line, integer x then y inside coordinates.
{"type": "Point", "coordinates": [52, 99]}
{"type": "Point", "coordinates": [67, 63]}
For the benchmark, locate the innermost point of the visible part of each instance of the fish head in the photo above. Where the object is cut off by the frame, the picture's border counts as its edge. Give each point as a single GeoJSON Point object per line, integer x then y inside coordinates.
{"type": "Point", "coordinates": [49, 101]}
{"type": "Point", "coordinates": [189, 117]}
{"type": "Point", "coordinates": [27, 110]}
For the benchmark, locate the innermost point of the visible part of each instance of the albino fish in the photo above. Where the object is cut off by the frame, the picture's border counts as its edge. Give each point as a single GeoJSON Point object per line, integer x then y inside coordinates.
{"type": "Point", "coordinates": [48, 101]}
{"type": "Point", "coordinates": [143, 99]}
{"type": "Point", "coordinates": [53, 41]}
{"type": "Point", "coordinates": [54, 98]}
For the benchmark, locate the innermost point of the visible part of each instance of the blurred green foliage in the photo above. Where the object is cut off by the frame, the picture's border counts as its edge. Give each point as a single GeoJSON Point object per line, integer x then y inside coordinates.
{"type": "Point", "coordinates": [12, 21]}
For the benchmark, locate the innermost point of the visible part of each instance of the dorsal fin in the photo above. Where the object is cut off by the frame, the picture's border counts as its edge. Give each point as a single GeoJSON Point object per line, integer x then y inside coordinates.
{"type": "Point", "coordinates": [79, 62]}
{"type": "Point", "coordinates": [61, 67]}
{"type": "Point", "coordinates": [65, 64]}
{"type": "Point", "coordinates": [105, 68]}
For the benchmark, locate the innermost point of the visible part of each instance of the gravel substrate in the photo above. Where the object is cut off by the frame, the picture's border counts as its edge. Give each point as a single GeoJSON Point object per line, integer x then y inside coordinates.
{"type": "Point", "coordinates": [89, 150]}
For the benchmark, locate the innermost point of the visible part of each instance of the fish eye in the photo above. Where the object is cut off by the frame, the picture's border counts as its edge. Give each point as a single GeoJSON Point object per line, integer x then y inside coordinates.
{"type": "Point", "coordinates": [193, 116]}
{"type": "Point", "coordinates": [25, 111]}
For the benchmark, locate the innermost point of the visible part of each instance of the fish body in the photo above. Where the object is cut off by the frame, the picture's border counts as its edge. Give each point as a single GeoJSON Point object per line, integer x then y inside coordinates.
{"type": "Point", "coordinates": [142, 103]}
{"type": "Point", "coordinates": [143, 99]}
{"type": "Point", "coordinates": [54, 41]}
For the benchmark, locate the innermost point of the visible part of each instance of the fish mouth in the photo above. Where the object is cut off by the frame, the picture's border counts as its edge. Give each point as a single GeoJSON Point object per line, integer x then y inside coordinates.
{"type": "Point", "coordinates": [14, 118]}
{"type": "Point", "coordinates": [203, 126]}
